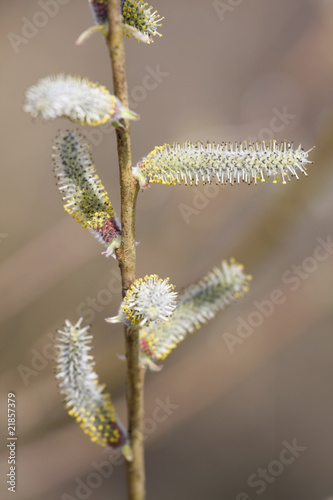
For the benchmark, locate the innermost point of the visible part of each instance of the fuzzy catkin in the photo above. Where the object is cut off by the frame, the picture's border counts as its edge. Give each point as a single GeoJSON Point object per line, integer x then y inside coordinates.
{"type": "Point", "coordinates": [194, 163]}
{"type": "Point", "coordinates": [148, 300]}
{"type": "Point", "coordinates": [85, 197]}
{"type": "Point", "coordinates": [74, 98]}
{"type": "Point", "coordinates": [197, 304]}
{"type": "Point", "coordinates": [84, 398]}
{"type": "Point", "coordinates": [138, 19]}
{"type": "Point", "coordinates": [138, 15]}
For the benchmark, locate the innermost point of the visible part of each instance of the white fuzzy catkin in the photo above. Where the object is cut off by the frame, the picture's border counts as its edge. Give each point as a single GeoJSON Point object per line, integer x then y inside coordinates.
{"type": "Point", "coordinates": [148, 300]}
{"type": "Point", "coordinates": [143, 23]}
{"type": "Point", "coordinates": [197, 304]}
{"type": "Point", "coordinates": [84, 398]}
{"type": "Point", "coordinates": [138, 20]}
{"type": "Point", "coordinates": [82, 191]}
{"type": "Point", "coordinates": [75, 98]}
{"type": "Point", "coordinates": [194, 163]}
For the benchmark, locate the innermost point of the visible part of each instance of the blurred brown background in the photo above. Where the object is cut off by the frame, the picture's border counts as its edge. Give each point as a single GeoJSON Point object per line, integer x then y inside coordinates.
{"type": "Point", "coordinates": [229, 70]}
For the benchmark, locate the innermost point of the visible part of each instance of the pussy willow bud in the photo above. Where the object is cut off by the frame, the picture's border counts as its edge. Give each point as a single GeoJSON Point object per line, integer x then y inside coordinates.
{"type": "Point", "coordinates": [138, 20]}
{"type": "Point", "coordinates": [84, 398]}
{"type": "Point", "coordinates": [85, 197]}
{"type": "Point", "coordinates": [196, 305]}
{"type": "Point", "coordinates": [148, 300]}
{"type": "Point", "coordinates": [75, 98]}
{"type": "Point", "coordinates": [100, 10]}
{"type": "Point", "coordinates": [192, 163]}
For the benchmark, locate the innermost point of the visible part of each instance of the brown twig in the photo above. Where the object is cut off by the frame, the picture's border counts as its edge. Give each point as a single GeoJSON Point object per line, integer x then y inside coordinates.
{"type": "Point", "coordinates": [126, 257]}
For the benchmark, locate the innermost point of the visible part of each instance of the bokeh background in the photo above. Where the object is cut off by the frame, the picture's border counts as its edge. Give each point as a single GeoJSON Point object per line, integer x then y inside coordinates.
{"type": "Point", "coordinates": [226, 71]}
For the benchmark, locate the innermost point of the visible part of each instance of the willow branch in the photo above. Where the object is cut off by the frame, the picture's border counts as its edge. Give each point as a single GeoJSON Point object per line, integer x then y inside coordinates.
{"type": "Point", "coordinates": [126, 256]}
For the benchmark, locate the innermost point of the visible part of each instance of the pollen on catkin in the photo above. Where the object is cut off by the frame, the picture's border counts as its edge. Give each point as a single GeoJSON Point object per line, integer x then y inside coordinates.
{"type": "Point", "coordinates": [75, 98]}
{"type": "Point", "coordinates": [194, 163]}
{"type": "Point", "coordinates": [196, 305]}
{"type": "Point", "coordinates": [148, 300]}
{"type": "Point", "coordinates": [84, 398]}
{"type": "Point", "coordinates": [138, 20]}
{"type": "Point", "coordinates": [143, 24]}
{"type": "Point", "coordinates": [85, 197]}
